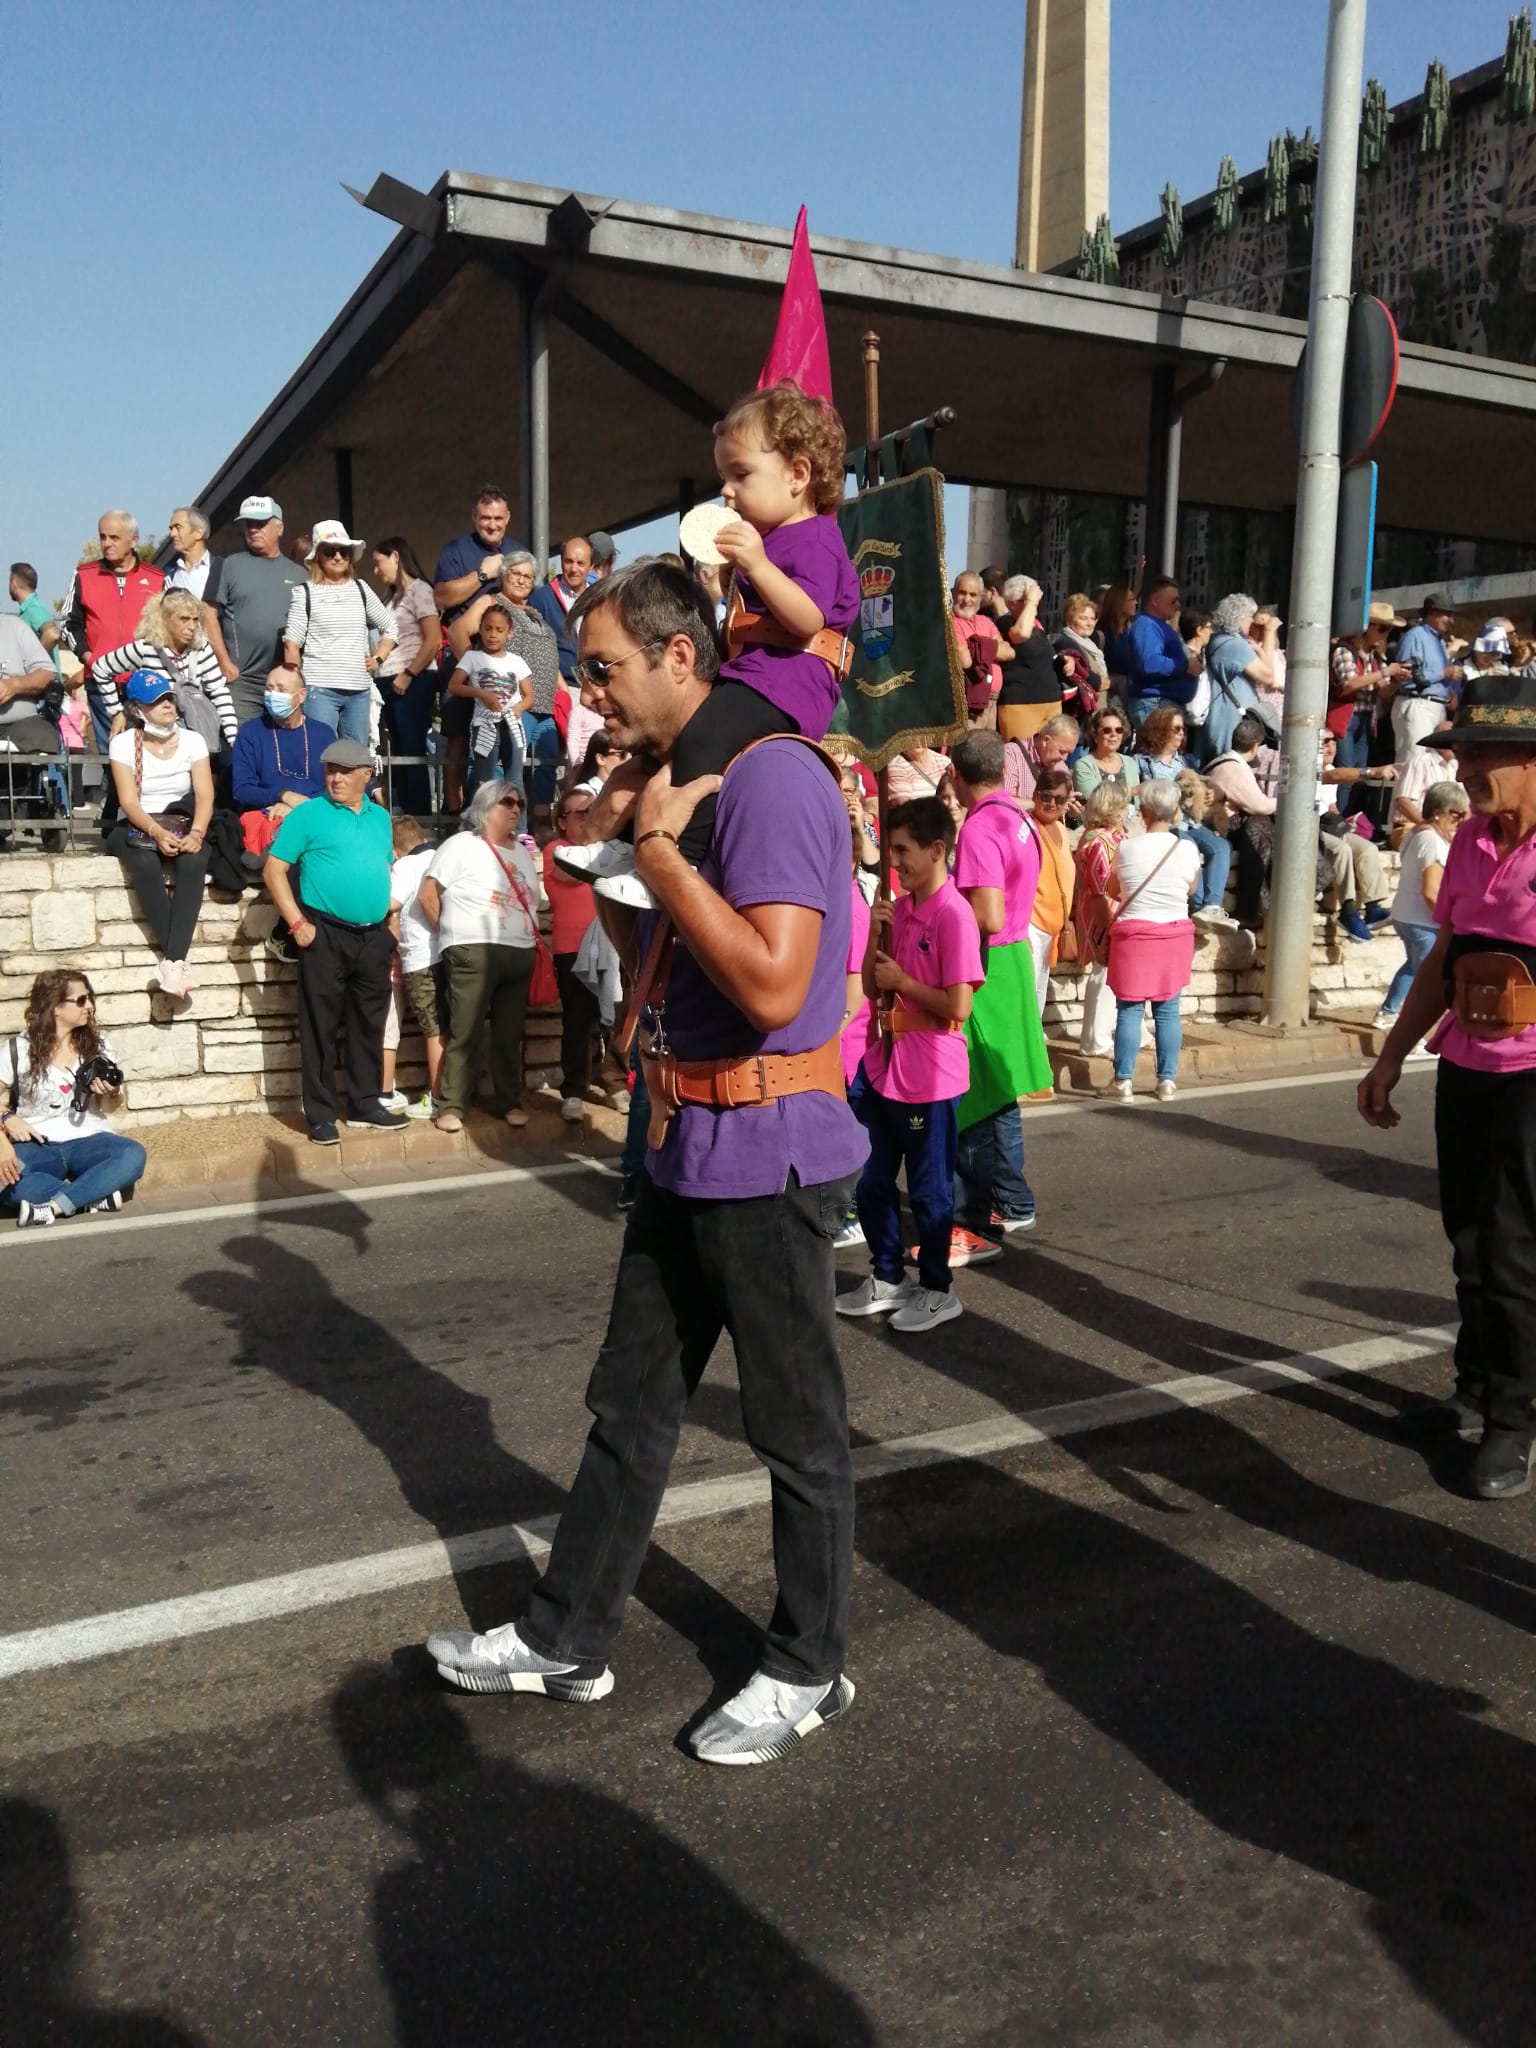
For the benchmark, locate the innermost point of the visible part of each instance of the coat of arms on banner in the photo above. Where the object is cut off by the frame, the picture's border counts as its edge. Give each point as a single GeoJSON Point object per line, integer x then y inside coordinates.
{"type": "Point", "coordinates": [877, 616]}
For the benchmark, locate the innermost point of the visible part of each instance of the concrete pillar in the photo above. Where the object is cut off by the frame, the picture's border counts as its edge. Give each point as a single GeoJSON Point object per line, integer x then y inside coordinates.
{"type": "Point", "coordinates": [1064, 130]}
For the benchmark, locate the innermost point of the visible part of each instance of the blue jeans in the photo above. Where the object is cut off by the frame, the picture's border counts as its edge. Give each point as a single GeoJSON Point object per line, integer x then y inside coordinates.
{"type": "Point", "coordinates": [1355, 740]}
{"type": "Point", "coordinates": [73, 1172]}
{"type": "Point", "coordinates": [989, 1172]}
{"type": "Point", "coordinates": [1418, 942]}
{"type": "Point", "coordinates": [1167, 1028]}
{"type": "Point", "coordinates": [1215, 865]}
{"type": "Point", "coordinates": [542, 738]}
{"type": "Point", "coordinates": [921, 1136]}
{"type": "Point", "coordinates": [344, 711]}
{"type": "Point", "coordinates": [407, 719]}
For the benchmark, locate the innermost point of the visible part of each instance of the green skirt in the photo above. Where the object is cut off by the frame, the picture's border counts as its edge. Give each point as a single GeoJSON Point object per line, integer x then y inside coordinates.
{"type": "Point", "coordinates": [1007, 1045]}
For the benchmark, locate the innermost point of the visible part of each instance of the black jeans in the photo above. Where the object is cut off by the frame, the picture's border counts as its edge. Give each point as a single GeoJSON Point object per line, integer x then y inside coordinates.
{"type": "Point", "coordinates": [343, 978]}
{"type": "Point", "coordinates": [1485, 1139]}
{"type": "Point", "coordinates": [762, 1269]}
{"type": "Point", "coordinates": [174, 917]}
{"type": "Point", "coordinates": [579, 1014]}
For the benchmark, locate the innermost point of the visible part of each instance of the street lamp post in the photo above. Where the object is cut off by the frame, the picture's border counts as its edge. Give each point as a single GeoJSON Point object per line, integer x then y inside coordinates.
{"type": "Point", "coordinates": [1288, 958]}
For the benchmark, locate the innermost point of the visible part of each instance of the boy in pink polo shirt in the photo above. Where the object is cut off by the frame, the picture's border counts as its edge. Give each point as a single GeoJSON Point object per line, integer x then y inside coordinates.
{"type": "Point", "coordinates": [925, 953]}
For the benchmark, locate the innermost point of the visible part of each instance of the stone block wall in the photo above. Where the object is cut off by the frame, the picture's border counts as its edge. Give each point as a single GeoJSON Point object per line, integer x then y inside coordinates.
{"type": "Point", "coordinates": [231, 1048]}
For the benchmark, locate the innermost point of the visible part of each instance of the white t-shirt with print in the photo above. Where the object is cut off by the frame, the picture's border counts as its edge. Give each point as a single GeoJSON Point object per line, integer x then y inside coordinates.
{"type": "Point", "coordinates": [505, 674]}
{"type": "Point", "coordinates": [46, 1100]}
{"type": "Point", "coordinates": [167, 783]}
{"type": "Point", "coordinates": [420, 945]}
{"type": "Point", "coordinates": [480, 905]}
{"type": "Point", "coordinates": [1165, 899]}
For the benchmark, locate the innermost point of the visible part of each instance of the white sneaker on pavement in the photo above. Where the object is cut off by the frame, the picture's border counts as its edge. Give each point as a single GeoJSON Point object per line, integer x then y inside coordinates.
{"type": "Point", "coordinates": [877, 1297]}
{"type": "Point", "coordinates": [768, 1718]}
{"type": "Point", "coordinates": [1115, 1091]}
{"type": "Point", "coordinates": [500, 1661]}
{"type": "Point", "coordinates": [1166, 1090]}
{"type": "Point", "coordinates": [926, 1310]}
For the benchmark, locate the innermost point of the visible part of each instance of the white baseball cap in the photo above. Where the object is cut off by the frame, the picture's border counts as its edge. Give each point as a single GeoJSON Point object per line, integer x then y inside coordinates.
{"type": "Point", "coordinates": [259, 510]}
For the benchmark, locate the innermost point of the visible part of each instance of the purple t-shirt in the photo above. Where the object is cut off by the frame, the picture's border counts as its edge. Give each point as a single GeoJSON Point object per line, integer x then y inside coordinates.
{"type": "Point", "coordinates": [813, 554]}
{"type": "Point", "coordinates": [997, 850]}
{"type": "Point", "coordinates": [781, 836]}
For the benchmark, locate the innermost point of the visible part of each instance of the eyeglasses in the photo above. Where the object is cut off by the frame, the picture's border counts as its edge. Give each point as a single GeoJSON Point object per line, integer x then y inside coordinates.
{"type": "Point", "coordinates": [594, 674]}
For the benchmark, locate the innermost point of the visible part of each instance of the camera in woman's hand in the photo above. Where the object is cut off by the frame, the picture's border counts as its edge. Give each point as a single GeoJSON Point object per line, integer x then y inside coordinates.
{"type": "Point", "coordinates": [99, 1069]}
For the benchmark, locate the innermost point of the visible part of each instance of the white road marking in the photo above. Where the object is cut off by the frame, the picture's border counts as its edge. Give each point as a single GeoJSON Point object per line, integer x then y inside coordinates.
{"type": "Point", "coordinates": [384, 1571]}
{"type": "Point", "coordinates": [456, 1183]}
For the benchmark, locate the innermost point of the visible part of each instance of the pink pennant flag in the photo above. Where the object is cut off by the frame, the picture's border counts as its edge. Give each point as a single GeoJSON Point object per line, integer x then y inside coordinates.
{"type": "Point", "coordinates": [800, 339]}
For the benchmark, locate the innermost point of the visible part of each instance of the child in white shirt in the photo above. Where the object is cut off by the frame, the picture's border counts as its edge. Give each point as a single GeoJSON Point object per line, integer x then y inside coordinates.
{"type": "Point", "coordinates": [500, 684]}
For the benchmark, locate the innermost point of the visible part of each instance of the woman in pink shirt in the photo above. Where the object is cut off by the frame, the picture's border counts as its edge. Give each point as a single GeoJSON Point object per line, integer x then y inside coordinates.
{"type": "Point", "coordinates": [1476, 991]}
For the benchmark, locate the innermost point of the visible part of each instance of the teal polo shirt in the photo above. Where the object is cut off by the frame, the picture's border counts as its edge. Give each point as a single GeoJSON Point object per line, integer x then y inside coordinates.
{"type": "Point", "coordinates": [342, 856]}
{"type": "Point", "coordinates": [36, 614]}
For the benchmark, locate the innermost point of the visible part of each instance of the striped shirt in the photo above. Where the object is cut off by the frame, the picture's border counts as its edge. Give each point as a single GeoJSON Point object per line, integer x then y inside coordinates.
{"type": "Point", "coordinates": [332, 622]}
{"type": "Point", "coordinates": [196, 668]}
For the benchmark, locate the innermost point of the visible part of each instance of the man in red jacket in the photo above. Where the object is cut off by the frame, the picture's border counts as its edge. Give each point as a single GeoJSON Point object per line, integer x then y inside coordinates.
{"type": "Point", "coordinates": [106, 602]}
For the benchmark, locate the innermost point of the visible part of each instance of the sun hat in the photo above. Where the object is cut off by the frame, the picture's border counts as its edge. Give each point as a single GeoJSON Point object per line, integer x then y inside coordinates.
{"type": "Point", "coordinates": [1382, 614]}
{"type": "Point", "coordinates": [1493, 639]}
{"type": "Point", "coordinates": [330, 533]}
{"type": "Point", "coordinates": [1502, 713]}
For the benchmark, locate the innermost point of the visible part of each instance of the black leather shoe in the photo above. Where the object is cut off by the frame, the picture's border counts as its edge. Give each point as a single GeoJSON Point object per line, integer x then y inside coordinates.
{"type": "Point", "coordinates": [1459, 1414]}
{"type": "Point", "coordinates": [1502, 1468]}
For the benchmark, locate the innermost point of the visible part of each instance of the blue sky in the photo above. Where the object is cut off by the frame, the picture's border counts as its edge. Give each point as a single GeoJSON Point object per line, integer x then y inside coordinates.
{"type": "Point", "coordinates": [176, 237]}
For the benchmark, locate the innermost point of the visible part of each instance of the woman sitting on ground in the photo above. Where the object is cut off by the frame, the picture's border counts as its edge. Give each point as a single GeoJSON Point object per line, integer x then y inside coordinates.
{"type": "Point", "coordinates": [57, 1156]}
{"type": "Point", "coordinates": [171, 642]}
{"type": "Point", "coordinates": [482, 894]}
{"type": "Point", "coordinates": [165, 799]}
{"type": "Point", "coordinates": [1108, 730]}
{"type": "Point", "coordinates": [1152, 941]}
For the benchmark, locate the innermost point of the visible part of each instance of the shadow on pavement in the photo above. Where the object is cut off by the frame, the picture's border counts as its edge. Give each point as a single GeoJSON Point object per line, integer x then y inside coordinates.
{"type": "Point", "coordinates": [285, 1318]}
{"type": "Point", "coordinates": [39, 1937]}
{"type": "Point", "coordinates": [532, 1910]}
{"type": "Point", "coordinates": [1350, 1167]}
{"type": "Point", "coordinates": [1391, 1785]}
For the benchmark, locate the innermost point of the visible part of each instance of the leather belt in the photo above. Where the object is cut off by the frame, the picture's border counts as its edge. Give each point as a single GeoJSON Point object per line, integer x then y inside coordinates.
{"type": "Point", "coordinates": [1492, 995]}
{"type": "Point", "coordinates": [744, 628]}
{"type": "Point", "coordinates": [743, 1083]}
{"type": "Point", "coordinates": [901, 1020]}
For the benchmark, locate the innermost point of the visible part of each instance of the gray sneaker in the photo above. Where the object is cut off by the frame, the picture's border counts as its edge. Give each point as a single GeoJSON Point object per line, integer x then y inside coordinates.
{"type": "Point", "coordinates": [500, 1661]}
{"type": "Point", "coordinates": [768, 1718]}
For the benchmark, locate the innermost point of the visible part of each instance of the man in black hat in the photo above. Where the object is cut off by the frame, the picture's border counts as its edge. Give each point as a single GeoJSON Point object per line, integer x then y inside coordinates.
{"type": "Point", "coordinates": [1428, 696]}
{"type": "Point", "coordinates": [1482, 969]}
{"type": "Point", "coordinates": [336, 906]}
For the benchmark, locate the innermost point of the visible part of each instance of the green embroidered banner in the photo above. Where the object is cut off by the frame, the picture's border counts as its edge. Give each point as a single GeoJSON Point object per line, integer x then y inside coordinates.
{"type": "Point", "coordinates": [906, 688]}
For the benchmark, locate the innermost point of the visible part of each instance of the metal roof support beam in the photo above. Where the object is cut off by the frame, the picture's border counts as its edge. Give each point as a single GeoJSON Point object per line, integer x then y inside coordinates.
{"type": "Point", "coordinates": [597, 334]}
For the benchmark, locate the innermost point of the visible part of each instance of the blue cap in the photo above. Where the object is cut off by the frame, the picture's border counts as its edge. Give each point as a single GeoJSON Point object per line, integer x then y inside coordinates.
{"type": "Point", "coordinates": [144, 686]}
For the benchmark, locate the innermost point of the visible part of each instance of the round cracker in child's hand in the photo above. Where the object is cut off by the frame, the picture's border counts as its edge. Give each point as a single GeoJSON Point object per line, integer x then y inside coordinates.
{"type": "Point", "coordinates": [697, 529]}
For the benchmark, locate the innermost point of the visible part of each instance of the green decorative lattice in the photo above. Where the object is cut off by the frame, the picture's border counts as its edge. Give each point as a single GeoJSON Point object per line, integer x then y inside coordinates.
{"type": "Point", "coordinates": [1517, 93]}
{"type": "Point", "coordinates": [1435, 111]}
{"type": "Point", "coordinates": [1172, 241]}
{"type": "Point", "coordinates": [1224, 218]}
{"type": "Point", "coordinates": [1277, 179]}
{"type": "Point", "coordinates": [1098, 255]}
{"type": "Point", "coordinates": [1373, 126]}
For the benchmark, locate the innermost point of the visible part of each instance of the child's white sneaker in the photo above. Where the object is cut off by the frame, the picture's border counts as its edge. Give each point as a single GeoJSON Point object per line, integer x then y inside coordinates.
{"type": "Point", "coordinates": [594, 863]}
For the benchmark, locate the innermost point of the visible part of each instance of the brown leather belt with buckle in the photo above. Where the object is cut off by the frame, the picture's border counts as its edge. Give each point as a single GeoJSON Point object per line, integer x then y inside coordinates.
{"type": "Point", "coordinates": [1492, 995]}
{"type": "Point", "coordinates": [741, 1083]}
{"type": "Point", "coordinates": [758, 629]}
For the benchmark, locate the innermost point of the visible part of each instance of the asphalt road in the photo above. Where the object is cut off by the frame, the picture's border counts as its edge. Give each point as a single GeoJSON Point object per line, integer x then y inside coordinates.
{"type": "Point", "coordinates": [1200, 1719]}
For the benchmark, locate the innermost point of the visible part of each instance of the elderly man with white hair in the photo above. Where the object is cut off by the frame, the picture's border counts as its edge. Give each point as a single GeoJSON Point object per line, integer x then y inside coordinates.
{"type": "Point", "coordinates": [106, 601]}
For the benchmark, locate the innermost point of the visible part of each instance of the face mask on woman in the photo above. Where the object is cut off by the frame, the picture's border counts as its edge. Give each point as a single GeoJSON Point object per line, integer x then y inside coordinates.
{"type": "Point", "coordinates": [279, 704]}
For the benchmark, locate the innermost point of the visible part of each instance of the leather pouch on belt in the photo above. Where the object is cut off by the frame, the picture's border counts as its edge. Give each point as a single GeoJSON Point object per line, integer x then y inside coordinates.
{"type": "Point", "coordinates": [1492, 995]}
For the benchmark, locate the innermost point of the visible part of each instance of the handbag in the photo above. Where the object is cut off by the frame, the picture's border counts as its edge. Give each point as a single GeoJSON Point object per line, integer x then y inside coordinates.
{"type": "Point", "coordinates": [544, 988]}
{"type": "Point", "coordinates": [177, 822]}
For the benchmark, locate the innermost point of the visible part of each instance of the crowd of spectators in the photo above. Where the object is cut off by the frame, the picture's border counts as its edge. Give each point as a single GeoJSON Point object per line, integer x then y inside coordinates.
{"type": "Point", "coordinates": [241, 691]}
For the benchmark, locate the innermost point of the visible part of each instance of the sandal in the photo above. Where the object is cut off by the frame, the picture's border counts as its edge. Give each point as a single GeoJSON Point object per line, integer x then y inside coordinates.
{"type": "Point", "coordinates": [447, 1121]}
